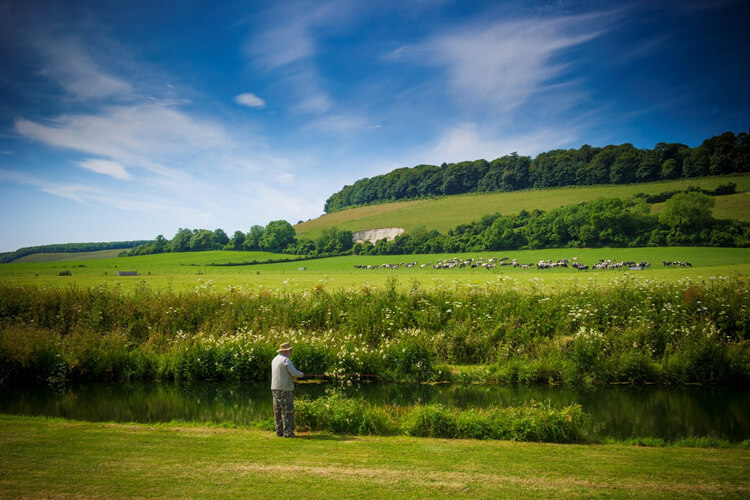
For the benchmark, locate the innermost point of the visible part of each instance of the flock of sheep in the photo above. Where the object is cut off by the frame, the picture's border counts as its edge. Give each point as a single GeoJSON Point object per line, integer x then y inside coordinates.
{"type": "Point", "coordinates": [493, 263]}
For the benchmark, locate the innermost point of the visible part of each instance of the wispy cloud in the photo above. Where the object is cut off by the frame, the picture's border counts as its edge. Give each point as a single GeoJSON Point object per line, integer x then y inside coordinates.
{"type": "Point", "coordinates": [250, 100]}
{"type": "Point", "coordinates": [341, 124]}
{"type": "Point", "coordinates": [643, 48]}
{"type": "Point", "coordinates": [146, 136]}
{"type": "Point", "coordinates": [504, 64]}
{"type": "Point", "coordinates": [286, 43]}
{"type": "Point", "coordinates": [106, 167]}
{"type": "Point", "coordinates": [288, 33]}
{"type": "Point", "coordinates": [75, 192]}
{"type": "Point", "coordinates": [71, 67]}
{"type": "Point", "coordinates": [315, 101]}
{"type": "Point", "coordinates": [465, 141]}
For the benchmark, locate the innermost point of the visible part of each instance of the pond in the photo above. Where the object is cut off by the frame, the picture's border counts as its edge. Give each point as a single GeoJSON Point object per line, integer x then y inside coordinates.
{"type": "Point", "coordinates": [615, 411]}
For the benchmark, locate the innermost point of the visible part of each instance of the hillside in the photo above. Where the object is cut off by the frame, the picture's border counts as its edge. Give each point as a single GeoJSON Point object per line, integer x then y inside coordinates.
{"type": "Point", "coordinates": [725, 154]}
{"type": "Point", "coordinates": [70, 256]}
{"type": "Point", "coordinates": [447, 212]}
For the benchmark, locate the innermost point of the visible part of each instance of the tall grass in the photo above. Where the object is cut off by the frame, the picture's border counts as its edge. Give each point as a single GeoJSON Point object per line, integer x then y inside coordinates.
{"type": "Point", "coordinates": [630, 331]}
{"type": "Point", "coordinates": [530, 422]}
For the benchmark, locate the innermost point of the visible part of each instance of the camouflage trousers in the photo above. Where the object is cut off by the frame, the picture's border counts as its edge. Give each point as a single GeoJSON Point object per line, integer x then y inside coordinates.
{"type": "Point", "coordinates": [283, 412]}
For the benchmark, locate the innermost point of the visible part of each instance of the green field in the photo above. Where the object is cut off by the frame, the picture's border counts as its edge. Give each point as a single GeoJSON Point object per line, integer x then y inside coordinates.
{"type": "Point", "coordinates": [58, 458]}
{"type": "Point", "coordinates": [447, 212]}
{"type": "Point", "coordinates": [190, 270]}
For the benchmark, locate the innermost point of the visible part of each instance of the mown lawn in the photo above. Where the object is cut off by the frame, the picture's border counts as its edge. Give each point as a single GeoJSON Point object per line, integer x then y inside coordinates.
{"type": "Point", "coordinates": [57, 458]}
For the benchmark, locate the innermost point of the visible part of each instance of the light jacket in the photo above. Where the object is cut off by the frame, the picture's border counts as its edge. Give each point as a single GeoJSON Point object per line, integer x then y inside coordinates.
{"type": "Point", "coordinates": [282, 371]}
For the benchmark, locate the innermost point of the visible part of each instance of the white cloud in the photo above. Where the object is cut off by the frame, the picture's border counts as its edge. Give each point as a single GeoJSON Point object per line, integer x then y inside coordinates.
{"type": "Point", "coordinates": [148, 136]}
{"type": "Point", "coordinates": [465, 142]}
{"type": "Point", "coordinates": [289, 32]}
{"type": "Point", "coordinates": [286, 42]}
{"type": "Point", "coordinates": [67, 64]}
{"type": "Point", "coordinates": [106, 167]}
{"type": "Point", "coordinates": [316, 103]}
{"type": "Point", "coordinates": [282, 45]}
{"type": "Point", "coordinates": [75, 192]}
{"type": "Point", "coordinates": [250, 100]}
{"type": "Point", "coordinates": [505, 63]}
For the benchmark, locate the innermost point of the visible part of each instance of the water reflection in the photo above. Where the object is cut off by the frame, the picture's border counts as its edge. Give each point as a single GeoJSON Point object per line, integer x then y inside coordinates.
{"type": "Point", "coordinates": [619, 412]}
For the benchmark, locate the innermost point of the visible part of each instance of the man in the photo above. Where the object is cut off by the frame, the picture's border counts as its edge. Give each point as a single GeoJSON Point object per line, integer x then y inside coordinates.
{"type": "Point", "coordinates": [282, 388]}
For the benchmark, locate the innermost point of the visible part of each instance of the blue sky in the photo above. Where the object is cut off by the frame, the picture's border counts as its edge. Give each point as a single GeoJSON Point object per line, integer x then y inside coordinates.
{"type": "Point", "coordinates": [124, 120]}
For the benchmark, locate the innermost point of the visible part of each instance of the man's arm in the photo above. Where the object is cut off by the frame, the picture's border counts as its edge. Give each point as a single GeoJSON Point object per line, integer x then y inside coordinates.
{"type": "Point", "coordinates": [292, 370]}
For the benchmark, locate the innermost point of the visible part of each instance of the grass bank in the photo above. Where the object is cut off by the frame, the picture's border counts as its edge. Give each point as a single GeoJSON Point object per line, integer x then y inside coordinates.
{"type": "Point", "coordinates": [55, 458]}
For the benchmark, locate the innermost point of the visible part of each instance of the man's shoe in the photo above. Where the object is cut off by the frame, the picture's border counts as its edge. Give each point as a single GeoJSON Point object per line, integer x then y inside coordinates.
{"type": "Point", "coordinates": [291, 436]}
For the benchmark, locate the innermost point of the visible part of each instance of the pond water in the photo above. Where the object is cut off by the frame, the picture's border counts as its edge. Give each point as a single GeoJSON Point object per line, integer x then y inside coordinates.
{"type": "Point", "coordinates": [616, 411]}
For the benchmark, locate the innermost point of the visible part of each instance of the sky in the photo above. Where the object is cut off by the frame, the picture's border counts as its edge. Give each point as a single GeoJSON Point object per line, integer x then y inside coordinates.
{"type": "Point", "coordinates": [126, 120]}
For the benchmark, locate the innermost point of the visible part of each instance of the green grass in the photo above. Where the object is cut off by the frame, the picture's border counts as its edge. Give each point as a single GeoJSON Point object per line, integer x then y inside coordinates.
{"type": "Point", "coordinates": [731, 206]}
{"type": "Point", "coordinates": [447, 212]}
{"type": "Point", "coordinates": [56, 458]}
{"type": "Point", "coordinates": [190, 270]}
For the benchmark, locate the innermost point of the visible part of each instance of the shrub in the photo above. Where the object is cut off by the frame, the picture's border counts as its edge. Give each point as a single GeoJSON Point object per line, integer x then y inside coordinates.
{"type": "Point", "coordinates": [530, 422]}
{"type": "Point", "coordinates": [335, 413]}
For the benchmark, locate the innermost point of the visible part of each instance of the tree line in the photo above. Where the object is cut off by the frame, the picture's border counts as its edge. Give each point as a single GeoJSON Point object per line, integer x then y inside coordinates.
{"type": "Point", "coordinates": [608, 222]}
{"type": "Point", "coordinates": [624, 164]}
{"type": "Point", "coordinates": [277, 236]}
{"type": "Point", "coordinates": [6, 257]}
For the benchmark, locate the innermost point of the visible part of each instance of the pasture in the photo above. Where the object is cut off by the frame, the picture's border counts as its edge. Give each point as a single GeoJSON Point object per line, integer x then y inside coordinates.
{"type": "Point", "coordinates": [184, 271]}
{"type": "Point", "coordinates": [447, 212]}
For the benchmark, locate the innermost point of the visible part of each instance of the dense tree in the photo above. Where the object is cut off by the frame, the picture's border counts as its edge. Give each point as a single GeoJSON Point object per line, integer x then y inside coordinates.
{"type": "Point", "coordinates": [688, 215]}
{"type": "Point", "coordinates": [237, 242]}
{"type": "Point", "coordinates": [219, 239]}
{"type": "Point", "coordinates": [253, 238]}
{"type": "Point", "coordinates": [181, 241]}
{"type": "Point", "coordinates": [278, 235]}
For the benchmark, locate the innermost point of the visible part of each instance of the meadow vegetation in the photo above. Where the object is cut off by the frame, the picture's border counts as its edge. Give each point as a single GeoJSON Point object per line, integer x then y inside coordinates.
{"type": "Point", "coordinates": [633, 330]}
{"type": "Point", "coordinates": [529, 422]}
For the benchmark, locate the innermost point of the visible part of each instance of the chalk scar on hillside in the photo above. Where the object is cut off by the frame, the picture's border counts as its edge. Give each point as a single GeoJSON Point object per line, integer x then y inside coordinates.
{"type": "Point", "coordinates": [462, 480]}
{"type": "Point", "coordinates": [375, 235]}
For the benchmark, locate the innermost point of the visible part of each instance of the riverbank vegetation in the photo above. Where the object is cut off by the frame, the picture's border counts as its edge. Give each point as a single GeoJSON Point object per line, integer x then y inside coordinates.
{"type": "Point", "coordinates": [529, 422]}
{"type": "Point", "coordinates": [633, 331]}
{"type": "Point", "coordinates": [167, 460]}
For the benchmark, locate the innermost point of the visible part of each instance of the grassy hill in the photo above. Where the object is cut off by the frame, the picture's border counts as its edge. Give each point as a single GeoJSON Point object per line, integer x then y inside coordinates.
{"type": "Point", "coordinates": [70, 256]}
{"type": "Point", "coordinates": [447, 212]}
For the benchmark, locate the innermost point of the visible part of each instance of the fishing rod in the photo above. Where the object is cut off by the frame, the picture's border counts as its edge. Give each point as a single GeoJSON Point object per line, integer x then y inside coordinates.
{"type": "Point", "coordinates": [358, 375]}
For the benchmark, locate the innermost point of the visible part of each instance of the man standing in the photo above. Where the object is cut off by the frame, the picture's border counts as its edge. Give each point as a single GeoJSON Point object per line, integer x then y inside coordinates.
{"type": "Point", "coordinates": [282, 388]}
